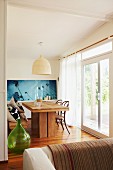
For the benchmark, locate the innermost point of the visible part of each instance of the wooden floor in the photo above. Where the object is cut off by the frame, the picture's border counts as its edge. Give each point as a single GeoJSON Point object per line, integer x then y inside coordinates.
{"type": "Point", "coordinates": [15, 162]}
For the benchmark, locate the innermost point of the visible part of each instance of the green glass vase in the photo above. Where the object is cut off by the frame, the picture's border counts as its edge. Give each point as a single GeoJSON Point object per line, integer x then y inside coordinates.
{"type": "Point", "coordinates": [18, 139]}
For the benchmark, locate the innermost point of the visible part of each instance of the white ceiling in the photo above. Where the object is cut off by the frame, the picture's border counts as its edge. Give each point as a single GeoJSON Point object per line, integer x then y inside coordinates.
{"type": "Point", "coordinates": [58, 24]}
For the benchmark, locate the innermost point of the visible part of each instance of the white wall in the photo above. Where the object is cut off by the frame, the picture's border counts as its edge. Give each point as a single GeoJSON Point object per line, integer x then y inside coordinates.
{"type": "Point", "coordinates": [102, 32]}
{"type": "Point", "coordinates": [3, 122]}
{"type": "Point", "coordinates": [21, 68]}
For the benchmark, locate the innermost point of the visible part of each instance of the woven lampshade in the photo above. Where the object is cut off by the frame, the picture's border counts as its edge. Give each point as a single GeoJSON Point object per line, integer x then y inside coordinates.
{"type": "Point", "coordinates": [41, 66]}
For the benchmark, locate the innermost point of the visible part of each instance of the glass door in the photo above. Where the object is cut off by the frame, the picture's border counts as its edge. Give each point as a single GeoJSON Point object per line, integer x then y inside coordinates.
{"type": "Point", "coordinates": [90, 118]}
{"type": "Point", "coordinates": [104, 91]}
{"type": "Point", "coordinates": [95, 115]}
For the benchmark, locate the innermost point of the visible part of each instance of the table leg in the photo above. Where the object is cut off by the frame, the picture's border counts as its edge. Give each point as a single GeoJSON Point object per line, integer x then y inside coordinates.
{"type": "Point", "coordinates": [51, 124]}
{"type": "Point", "coordinates": [35, 124]}
{"type": "Point", "coordinates": [43, 125]}
{"type": "Point", "coordinates": [39, 124]}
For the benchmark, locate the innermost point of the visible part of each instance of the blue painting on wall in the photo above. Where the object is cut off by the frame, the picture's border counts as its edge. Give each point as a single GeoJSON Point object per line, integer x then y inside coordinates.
{"type": "Point", "coordinates": [24, 90]}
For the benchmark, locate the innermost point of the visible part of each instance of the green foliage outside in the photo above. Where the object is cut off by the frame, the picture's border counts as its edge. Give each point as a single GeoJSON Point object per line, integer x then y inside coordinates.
{"type": "Point", "coordinates": [88, 85]}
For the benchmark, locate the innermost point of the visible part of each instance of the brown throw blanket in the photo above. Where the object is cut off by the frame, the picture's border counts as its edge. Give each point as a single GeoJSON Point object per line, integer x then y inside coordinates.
{"type": "Point", "coordinates": [88, 155]}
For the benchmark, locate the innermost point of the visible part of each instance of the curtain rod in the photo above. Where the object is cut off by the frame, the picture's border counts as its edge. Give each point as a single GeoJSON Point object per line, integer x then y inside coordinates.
{"type": "Point", "coordinates": [89, 46]}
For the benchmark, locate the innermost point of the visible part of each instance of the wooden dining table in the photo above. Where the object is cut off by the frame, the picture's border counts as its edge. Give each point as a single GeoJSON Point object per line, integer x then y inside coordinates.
{"type": "Point", "coordinates": [43, 117]}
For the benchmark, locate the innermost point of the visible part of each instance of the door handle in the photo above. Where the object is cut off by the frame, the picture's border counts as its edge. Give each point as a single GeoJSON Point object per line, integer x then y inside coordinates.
{"type": "Point", "coordinates": [98, 96]}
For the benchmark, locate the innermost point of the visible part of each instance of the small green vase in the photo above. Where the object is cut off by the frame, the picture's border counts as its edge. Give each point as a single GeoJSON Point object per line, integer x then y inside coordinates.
{"type": "Point", "coordinates": [18, 139]}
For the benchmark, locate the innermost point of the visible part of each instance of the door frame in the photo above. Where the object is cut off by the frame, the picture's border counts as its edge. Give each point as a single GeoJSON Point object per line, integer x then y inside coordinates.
{"type": "Point", "coordinates": [83, 63]}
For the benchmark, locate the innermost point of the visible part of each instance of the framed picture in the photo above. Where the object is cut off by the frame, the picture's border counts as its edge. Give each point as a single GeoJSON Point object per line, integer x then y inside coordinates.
{"type": "Point", "coordinates": [24, 90]}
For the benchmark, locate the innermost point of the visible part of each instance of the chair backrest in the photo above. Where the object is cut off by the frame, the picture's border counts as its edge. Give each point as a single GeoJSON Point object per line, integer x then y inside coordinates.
{"type": "Point", "coordinates": [66, 104]}
{"type": "Point", "coordinates": [59, 101]}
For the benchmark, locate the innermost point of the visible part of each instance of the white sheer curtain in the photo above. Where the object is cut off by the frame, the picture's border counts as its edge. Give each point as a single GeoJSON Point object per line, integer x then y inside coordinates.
{"type": "Point", "coordinates": [69, 86]}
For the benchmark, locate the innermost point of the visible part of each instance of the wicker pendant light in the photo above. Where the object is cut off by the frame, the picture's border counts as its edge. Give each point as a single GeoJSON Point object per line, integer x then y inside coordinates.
{"type": "Point", "coordinates": [41, 66]}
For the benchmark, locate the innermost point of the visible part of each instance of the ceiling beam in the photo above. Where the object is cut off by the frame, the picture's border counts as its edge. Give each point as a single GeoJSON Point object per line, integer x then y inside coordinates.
{"type": "Point", "coordinates": [56, 9]}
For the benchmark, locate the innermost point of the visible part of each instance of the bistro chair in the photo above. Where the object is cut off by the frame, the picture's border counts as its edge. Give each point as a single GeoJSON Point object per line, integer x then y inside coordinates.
{"type": "Point", "coordinates": [60, 117]}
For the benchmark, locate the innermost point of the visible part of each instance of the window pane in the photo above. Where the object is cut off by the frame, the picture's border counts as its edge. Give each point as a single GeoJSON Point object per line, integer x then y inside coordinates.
{"type": "Point", "coordinates": [90, 118]}
{"type": "Point", "coordinates": [104, 71]}
{"type": "Point", "coordinates": [97, 50]}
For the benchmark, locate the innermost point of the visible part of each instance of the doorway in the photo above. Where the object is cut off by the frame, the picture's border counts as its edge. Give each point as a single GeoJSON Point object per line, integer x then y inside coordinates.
{"type": "Point", "coordinates": [95, 94]}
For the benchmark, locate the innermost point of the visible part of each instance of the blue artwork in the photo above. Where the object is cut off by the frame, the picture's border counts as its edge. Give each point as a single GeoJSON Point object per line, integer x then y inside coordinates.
{"type": "Point", "coordinates": [23, 90]}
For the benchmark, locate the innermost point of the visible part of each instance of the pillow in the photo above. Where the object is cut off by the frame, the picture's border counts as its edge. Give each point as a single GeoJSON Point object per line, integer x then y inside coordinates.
{"type": "Point", "coordinates": [15, 105]}
{"type": "Point", "coordinates": [13, 111]}
{"type": "Point", "coordinates": [10, 117]}
{"type": "Point", "coordinates": [18, 106]}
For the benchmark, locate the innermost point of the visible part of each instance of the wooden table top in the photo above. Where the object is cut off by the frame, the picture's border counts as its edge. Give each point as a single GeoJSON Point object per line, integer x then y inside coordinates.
{"type": "Point", "coordinates": [46, 106]}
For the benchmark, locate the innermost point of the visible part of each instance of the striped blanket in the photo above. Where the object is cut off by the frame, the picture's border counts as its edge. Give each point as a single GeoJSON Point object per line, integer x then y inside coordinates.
{"type": "Point", "coordinates": [88, 155]}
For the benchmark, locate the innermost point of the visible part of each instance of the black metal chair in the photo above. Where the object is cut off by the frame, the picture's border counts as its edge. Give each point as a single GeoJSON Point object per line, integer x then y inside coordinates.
{"type": "Point", "coordinates": [61, 116]}
{"type": "Point", "coordinates": [60, 103]}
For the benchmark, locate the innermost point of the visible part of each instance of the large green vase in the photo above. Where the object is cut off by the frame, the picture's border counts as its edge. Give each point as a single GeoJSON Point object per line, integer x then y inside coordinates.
{"type": "Point", "coordinates": [18, 139]}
